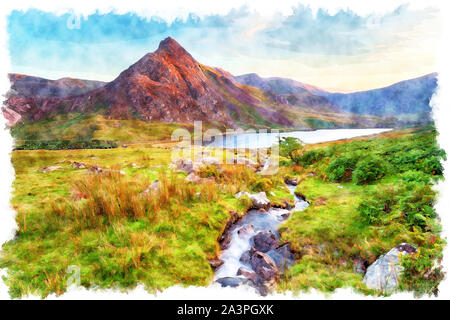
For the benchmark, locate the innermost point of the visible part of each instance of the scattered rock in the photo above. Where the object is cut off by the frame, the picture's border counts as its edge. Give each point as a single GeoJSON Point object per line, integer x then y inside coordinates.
{"type": "Point", "coordinates": [291, 181]}
{"type": "Point", "coordinates": [264, 267]}
{"type": "Point", "coordinates": [215, 263]}
{"type": "Point", "coordinates": [50, 169]}
{"type": "Point", "coordinates": [265, 241]}
{"type": "Point", "coordinates": [282, 256]}
{"type": "Point", "coordinates": [154, 187]}
{"type": "Point", "coordinates": [192, 177]}
{"type": "Point", "coordinates": [245, 258]}
{"type": "Point", "coordinates": [134, 165]}
{"type": "Point", "coordinates": [259, 199]}
{"type": "Point", "coordinates": [243, 160]}
{"type": "Point", "coordinates": [384, 273]}
{"type": "Point", "coordinates": [78, 165]}
{"type": "Point", "coordinates": [210, 161]}
{"type": "Point", "coordinates": [249, 274]}
{"type": "Point", "coordinates": [232, 281]}
{"type": "Point", "coordinates": [95, 170]}
{"type": "Point", "coordinates": [185, 165]}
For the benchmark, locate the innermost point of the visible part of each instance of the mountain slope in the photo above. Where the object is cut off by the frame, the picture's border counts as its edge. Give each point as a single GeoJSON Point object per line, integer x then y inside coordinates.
{"type": "Point", "coordinates": [29, 86]}
{"type": "Point", "coordinates": [410, 97]}
{"type": "Point", "coordinates": [167, 86]}
{"type": "Point", "coordinates": [294, 92]}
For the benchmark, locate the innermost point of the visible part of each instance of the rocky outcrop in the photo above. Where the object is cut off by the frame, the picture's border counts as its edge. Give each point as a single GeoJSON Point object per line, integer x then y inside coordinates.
{"type": "Point", "coordinates": [259, 200]}
{"type": "Point", "coordinates": [185, 165]}
{"type": "Point", "coordinates": [265, 241]}
{"type": "Point", "coordinates": [384, 274]}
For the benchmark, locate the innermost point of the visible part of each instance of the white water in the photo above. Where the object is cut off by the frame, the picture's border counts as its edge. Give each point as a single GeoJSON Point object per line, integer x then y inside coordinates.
{"type": "Point", "coordinates": [251, 224]}
{"type": "Point", "coordinates": [266, 140]}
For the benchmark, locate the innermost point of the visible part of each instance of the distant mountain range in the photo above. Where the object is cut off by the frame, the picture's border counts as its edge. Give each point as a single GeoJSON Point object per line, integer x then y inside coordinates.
{"type": "Point", "coordinates": [170, 86]}
{"type": "Point", "coordinates": [406, 98]}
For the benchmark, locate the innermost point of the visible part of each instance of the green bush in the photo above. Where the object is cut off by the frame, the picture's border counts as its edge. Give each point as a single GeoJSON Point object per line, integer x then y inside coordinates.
{"type": "Point", "coordinates": [415, 176]}
{"type": "Point", "coordinates": [378, 205]}
{"type": "Point", "coordinates": [288, 145]}
{"type": "Point", "coordinates": [263, 184]}
{"type": "Point", "coordinates": [208, 171]}
{"type": "Point", "coordinates": [308, 158]}
{"type": "Point", "coordinates": [341, 168]}
{"type": "Point", "coordinates": [369, 169]}
{"type": "Point", "coordinates": [66, 144]}
{"type": "Point", "coordinates": [420, 273]}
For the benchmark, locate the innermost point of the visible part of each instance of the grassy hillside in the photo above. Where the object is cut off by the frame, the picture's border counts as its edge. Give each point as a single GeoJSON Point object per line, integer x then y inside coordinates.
{"type": "Point", "coordinates": [120, 236]}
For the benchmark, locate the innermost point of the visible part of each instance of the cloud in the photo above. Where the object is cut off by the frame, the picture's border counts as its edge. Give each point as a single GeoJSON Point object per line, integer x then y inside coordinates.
{"type": "Point", "coordinates": [100, 45]}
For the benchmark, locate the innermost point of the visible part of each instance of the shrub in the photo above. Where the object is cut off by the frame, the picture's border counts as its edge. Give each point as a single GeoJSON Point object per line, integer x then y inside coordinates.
{"type": "Point", "coordinates": [369, 169]}
{"type": "Point", "coordinates": [378, 205]}
{"type": "Point", "coordinates": [288, 145]}
{"type": "Point", "coordinates": [421, 274]}
{"type": "Point", "coordinates": [341, 168]}
{"type": "Point", "coordinates": [308, 158]}
{"type": "Point", "coordinates": [415, 176]}
{"type": "Point", "coordinates": [208, 171]}
{"type": "Point", "coordinates": [263, 184]}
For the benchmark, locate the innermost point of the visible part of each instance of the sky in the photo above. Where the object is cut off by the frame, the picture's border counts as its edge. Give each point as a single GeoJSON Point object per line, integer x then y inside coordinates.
{"type": "Point", "coordinates": [339, 51]}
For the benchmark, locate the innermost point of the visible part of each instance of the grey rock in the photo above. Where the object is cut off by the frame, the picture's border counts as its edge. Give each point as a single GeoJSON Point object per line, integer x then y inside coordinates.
{"type": "Point", "coordinates": [265, 241]}
{"type": "Point", "coordinates": [384, 274]}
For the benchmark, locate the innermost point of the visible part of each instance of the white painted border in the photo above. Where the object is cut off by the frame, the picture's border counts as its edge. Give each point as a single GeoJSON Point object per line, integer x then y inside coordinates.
{"type": "Point", "coordinates": [169, 9]}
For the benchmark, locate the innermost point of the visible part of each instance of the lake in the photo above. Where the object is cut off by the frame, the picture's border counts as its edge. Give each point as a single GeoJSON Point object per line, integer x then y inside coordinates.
{"type": "Point", "coordinates": [267, 139]}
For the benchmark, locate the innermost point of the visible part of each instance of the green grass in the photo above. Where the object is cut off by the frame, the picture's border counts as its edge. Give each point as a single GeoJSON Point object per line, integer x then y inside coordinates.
{"type": "Point", "coordinates": [119, 238]}
{"type": "Point", "coordinates": [331, 233]}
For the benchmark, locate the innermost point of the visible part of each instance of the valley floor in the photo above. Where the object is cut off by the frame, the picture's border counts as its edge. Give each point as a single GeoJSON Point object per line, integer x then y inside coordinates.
{"type": "Point", "coordinates": [117, 233]}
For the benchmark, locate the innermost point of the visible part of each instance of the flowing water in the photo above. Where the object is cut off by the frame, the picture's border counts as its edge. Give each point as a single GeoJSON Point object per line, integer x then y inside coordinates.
{"type": "Point", "coordinates": [246, 228]}
{"type": "Point", "coordinates": [266, 140]}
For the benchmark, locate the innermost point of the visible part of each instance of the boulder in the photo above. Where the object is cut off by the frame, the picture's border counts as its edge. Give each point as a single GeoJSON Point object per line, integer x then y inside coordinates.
{"type": "Point", "coordinates": [78, 165]}
{"type": "Point", "coordinates": [249, 274]}
{"type": "Point", "coordinates": [215, 263]}
{"type": "Point", "coordinates": [243, 160]}
{"type": "Point", "coordinates": [291, 181]}
{"type": "Point", "coordinates": [154, 187]}
{"type": "Point", "coordinates": [232, 281]}
{"type": "Point", "coordinates": [95, 170]}
{"type": "Point", "coordinates": [192, 177]}
{"type": "Point", "coordinates": [185, 165]}
{"type": "Point", "coordinates": [264, 267]}
{"type": "Point", "coordinates": [265, 241]}
{"type": "Point", "coordinates": [383, 275]}
{"type": "Point", "coordinates": [245, 257]}
{"type": "Point", "coordinates": [282, 256]}
{"type": "Point", "coordinates": [259, 200]}
{"type": "Point", "coordinates": [50, 169]}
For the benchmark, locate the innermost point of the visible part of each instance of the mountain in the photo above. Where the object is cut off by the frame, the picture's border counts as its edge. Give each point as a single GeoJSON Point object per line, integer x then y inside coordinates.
{"type": "Point", "coordinates": [410, 97]}
{"type": "Point", "coordinates": [165, 86]}
{"type": "Point", "coordinates": [28, 86]}
{"type": "Point", "coordinates": [296, 93]}
{"type": "Point", "coordinates": [407, 99]}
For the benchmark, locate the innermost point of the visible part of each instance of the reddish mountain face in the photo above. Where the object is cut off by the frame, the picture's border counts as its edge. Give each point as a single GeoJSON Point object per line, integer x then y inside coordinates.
{"type": "Point", "coordinates": [166, 85]}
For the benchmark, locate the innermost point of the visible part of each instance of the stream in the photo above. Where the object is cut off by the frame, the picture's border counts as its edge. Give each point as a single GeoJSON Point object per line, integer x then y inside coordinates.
{"type": "Point", "coordinates": [254, 255]}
